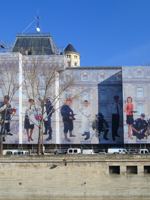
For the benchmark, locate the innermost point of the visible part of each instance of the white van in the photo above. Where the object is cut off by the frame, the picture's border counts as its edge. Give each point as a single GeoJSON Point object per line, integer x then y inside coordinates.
{"type": "Point", "coordinates": [88, 151]}
{"type": "Point", "coordinates": [17, 152]}
{"type": "Point", "coordinates": [117, 151]}
{"type": "Point", "coordinates": [73, 151]}
{"type": "Point", "coordinates": [143, 151]}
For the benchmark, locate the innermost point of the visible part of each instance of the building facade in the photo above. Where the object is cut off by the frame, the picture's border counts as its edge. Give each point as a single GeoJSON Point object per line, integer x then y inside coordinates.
{"type": "Point", "coordinates": [97, 85]}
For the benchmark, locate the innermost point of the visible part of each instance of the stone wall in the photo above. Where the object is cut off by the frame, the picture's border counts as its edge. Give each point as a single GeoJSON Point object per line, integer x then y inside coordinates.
{"type": "Point", "coordinates": [75, 177]}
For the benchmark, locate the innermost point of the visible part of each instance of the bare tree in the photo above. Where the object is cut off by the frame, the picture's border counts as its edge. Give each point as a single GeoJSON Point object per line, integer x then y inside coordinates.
{"type": "Point", "coordinates": [42, 74]}
{"type": "Point", "coordinates": [9, 84]}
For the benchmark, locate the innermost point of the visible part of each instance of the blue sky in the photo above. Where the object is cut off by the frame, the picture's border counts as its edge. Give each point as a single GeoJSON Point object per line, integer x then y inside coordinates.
{"type": "Point", "coordinates": [104, 32]}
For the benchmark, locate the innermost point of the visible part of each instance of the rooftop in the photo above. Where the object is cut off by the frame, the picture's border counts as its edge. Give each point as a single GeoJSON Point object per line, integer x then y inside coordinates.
{"type": "Point", "coordinates": [35, 44]}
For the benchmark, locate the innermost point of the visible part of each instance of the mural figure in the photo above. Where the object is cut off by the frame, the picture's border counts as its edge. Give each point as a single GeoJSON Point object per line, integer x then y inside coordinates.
{"type": "Point", "coordinates": [115, 109]}
{"type": "Point", "coordinates": [99, 125]}
{"type": "Point", "coordinates": [68, 117]}
{"type": "Point", "coordinates": [128, 108]}
{"type": "Point", "coordinates": [139, 127]}
{"type": "Point", "coordinates": [6, 111]}
{"type": "Point", "coordinates": [47, 122]}
{"type": "Point", "coordinates": [85, 120]}
{"type": "Point", "coordinates": [29, 119]}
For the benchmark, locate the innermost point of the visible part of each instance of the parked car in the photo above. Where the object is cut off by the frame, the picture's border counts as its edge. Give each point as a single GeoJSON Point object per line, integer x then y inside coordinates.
{"type": "Point", "coordinates": [17, 152]}
{"type": "Point", "coordinates": [74, 151]}
{"type": "Point", "coordinates": [131, 151]}
{"type": "Point", "coordinates": [88, 151]}
{"type": "Point", "coordinates": [143, 151]}
{"type": "Point", "coordinates": [117, 151]}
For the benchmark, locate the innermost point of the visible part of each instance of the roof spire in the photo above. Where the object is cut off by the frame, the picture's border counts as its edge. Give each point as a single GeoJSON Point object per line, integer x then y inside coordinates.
{"type": "Point", "coordinates": [38, 27]}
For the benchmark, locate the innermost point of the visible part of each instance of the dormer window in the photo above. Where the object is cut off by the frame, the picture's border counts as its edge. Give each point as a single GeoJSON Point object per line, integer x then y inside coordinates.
{"type": "Point", "coordinates": [84, 76]}
{"type": "Point", "coordinates": [139, 73]}
{"type": "Point", "coordinates": [101, 75]}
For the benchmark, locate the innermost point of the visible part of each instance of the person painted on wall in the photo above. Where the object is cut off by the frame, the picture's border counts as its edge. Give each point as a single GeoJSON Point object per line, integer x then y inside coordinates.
{"type": "Point", "coordinates": [99, 125]}
{"type": "Point", "coordinates": [47, 123]}
{"type": "Point", "coordinates": [68, 117]}
{"type": "Point", "coordinates": [139, 127]}
{"type": "Point", "coordinates": [85, 120]}
{"type": "Point", "coordinates": [128, 108]}
{"type": "Point", "coordinates": [115, 109]}
{"type": "Point", "coordinates": [6, 111]}
{"type": "Point", "coordinates": [29, 118]}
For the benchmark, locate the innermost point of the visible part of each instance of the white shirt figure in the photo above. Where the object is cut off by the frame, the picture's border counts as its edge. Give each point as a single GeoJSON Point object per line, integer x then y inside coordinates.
{"type": "Point", "coordinates": [30, 111]}
{"type": "Point", "coordinates": [85, 118]}
{"type": "Point", "coordinates": [114, 108]}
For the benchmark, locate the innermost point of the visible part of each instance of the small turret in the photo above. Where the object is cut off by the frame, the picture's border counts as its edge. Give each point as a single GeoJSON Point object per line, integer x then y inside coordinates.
{"type": "Point", "coordinates": [73, 57]}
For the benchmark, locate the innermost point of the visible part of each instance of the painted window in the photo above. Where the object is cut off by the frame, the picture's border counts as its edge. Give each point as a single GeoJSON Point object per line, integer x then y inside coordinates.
{"type": "Point", "coordinates": [103, 95]}
{"type": "Point", "coordinates": [104, 110]}
{"type": "Point", "coordinates": [67, 94]}
{"type": "Point", "coordinates": [140, 108]}
{"type": "Point", "coordinates": [85, 95]}
{"type": "Point", "coordinates": [139, 92]}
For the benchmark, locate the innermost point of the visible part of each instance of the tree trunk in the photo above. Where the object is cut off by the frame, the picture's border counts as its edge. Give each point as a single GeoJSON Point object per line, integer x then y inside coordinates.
{"type": "Point", "coordinates": [1, 144]}
{"type": "Point", "coordinates": [39, 141]}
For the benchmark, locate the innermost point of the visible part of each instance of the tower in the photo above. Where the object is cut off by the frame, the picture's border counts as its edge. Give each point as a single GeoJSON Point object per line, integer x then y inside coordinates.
{"type": "Point", "coordinates": [73, 57]}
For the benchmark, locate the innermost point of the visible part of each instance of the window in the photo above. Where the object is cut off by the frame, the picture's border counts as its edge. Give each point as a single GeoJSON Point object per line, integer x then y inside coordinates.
{"type": "Point", "coordinates": [67, 94]}
{"type": "Point", "coordinates": [103, 95]}
{"type": "Point", "coordinates": [68, 56]}
{"type": "Point", "coordinates": [131, 169]}
{"type": "Point", "coordinates": [75, 57]}
{"type": "Point", "coordinates": [147, 169]}
{"type": "Point", "coordinates": [42, 79]}
{"type": "Point", "coordinates": [104, 110]}
{"type": "Point", "coordinates": [68, 77]}
{"type": "Point", "coordinates": [75, 64]}
{"type": "Point", "coordinates": [120, 94]}
{"type": "Point", "coordinates": [114, 169]}
{"type": "Point", "coordinates": [102, 76]}
{"type": "Point", "coordinates": [140, 108]}
{"type": "Point", "coordinates": [139, 73]}
{"type": "Point", "coordinates": [42, 92]}
{"type": "Point", "coordinates": [85, 95]}
{"type": "Point", "coordinates": [139, 92]}
{"type": "Point", "coordinates": [85, 77]}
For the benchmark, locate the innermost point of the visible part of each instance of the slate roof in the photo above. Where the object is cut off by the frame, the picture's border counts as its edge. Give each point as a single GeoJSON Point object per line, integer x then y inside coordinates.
{"type": "Point", "coordinates": [70, 48]}
{"type": "Point", "coordinates": [38, 44]}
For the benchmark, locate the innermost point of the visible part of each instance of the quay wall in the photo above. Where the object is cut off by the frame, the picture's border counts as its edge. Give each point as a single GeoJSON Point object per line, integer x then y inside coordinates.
{"type": "Point", "coordinates": [75, 177]}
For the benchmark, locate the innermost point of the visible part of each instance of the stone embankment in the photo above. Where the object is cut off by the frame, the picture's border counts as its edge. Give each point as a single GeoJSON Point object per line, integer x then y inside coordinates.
{"type": "Point", "coordinates": [75, 177]}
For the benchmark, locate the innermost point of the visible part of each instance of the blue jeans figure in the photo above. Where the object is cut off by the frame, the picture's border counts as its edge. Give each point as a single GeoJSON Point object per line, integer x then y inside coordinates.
{"type": "Point", "coordinates": [7, 129]}
{"type": "Point", "coordinates": [48, 127]}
